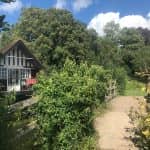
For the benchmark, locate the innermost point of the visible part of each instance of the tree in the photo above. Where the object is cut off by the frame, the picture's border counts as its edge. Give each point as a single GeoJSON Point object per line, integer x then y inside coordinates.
{"type": "Point", "coordinates": [130, 39]}
{"type": "Point", "coordinates": [4, 25]}
{"type": "Point", "coordinates": [145, 34]}
{"type": "Point", "coordinates": [107, 53]}
{"type": "Point", "coordinates": [141, 60]}
{"type": "Point", "coordinates": [47, 31]}
{"type": "Point", "coordinates": [5, 38]}
{"type": "Point", "coordinates": [111, 31]}
{"type": "Point", "coordinates": [2, 21]}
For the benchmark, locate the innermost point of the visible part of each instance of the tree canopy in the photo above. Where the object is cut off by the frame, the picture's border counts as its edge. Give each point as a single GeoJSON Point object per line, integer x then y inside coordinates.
{"type": "Point", "coordinates": [54, 35]}
{"type": "Point", "coordinates": [77, 67]}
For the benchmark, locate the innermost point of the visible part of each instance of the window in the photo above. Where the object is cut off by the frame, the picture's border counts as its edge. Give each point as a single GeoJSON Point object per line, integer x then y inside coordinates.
{"type": "Point", "coordinates": [13, 57]}
{"type": "Point", "coordinates": [1, 61]}
{"type": "Point", "coordinates": [9, 60]}
{"type": "Point", "coordinates": [3, 79]}
{"type": "Point", "coordinates": [21, 59]}
{"type": "Point", "coordinates": [17, 57]}
{"type": "Point", "coordinates": [25, 73]}
{"type": "Point", "coordinates": [3, 73]}
{"type": "Point", "coordinates": [13, 77]}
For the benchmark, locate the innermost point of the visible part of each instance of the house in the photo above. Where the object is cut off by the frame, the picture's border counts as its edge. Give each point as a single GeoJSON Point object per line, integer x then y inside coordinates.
{"type": "Point", "coordinates": [18, 68]}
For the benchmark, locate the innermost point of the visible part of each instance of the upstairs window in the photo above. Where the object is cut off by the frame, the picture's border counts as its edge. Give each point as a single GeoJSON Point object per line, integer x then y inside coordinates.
{"type": "Point", "coordinates": [13, 57]}
{"type": "Point", "coordinates": [17, 57]}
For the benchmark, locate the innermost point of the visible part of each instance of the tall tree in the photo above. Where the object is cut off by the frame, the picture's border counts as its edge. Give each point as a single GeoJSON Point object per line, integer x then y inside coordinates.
{"type": "Point", "coordinates": [108, 54]}
{"type": "Point", "coordinates": [146, 35]}
{"type": "Point", "coordinates": [131, 39]}
{"type": "Point", "coordinates": [53, 35]}
{"type": "Point", "coordinates": [111, 31]}
{"type": "Point", "coordinates": [131, 42]}
{"type": "Point", "coordinates": [141, 60]}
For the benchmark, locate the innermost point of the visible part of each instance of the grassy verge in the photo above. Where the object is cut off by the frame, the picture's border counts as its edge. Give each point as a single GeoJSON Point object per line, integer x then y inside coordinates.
{"type": "Point", "coordinates": [134, 88]}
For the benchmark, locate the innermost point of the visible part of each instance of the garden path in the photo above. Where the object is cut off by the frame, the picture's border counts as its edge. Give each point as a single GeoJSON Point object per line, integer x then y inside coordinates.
{"type": "Point", "coordinates": [112, 127]}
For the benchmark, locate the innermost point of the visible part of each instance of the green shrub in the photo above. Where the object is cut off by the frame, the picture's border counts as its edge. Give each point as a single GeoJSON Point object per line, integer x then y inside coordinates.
{"type": "Point", "coordinates": [11, 97]}
{"type": "Point", "coordinates": [11, 123]}
{"type": "Point", "coordinates": [120, 75]}
{"type": "Point", "coordinates": [6, 131]}
{"type": "Point", "coordinates": [67, 99]}
{"type": "Point", "coordinates": [141, 127]}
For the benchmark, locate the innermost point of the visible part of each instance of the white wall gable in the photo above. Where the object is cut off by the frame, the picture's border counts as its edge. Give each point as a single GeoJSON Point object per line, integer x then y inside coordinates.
{"type": "Point", "coordinates": [15, 57]}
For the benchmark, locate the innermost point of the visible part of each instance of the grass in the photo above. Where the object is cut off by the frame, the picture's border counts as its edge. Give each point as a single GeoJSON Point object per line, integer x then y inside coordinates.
{"type": "Point", "coordinates": [134, 88]}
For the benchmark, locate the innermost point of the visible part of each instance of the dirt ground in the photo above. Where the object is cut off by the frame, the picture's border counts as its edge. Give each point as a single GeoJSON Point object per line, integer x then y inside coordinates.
{"type": "Point", "coordinates": [113, 125]}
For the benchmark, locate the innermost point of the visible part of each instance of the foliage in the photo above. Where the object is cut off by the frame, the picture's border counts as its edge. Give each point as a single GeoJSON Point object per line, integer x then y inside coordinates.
{"type": "Point", "coordinates": [69, 94]}
{"type": "Point", "coordinates": [108, 54]}
{"type": "Point", "coordinates": [87, 143]}
{"type": "Point", "coordinates": [112, 31]}
{"type": "Point", "coordinates": [4, 26]}
{"type": "Point", "coordinates": [131, 39]}
{"type": "Point", "coordinates": [141, 129]}
{"type": "Point", "coordinates": [5, 124]}
{"type": "Point", "coordinates": [120, 75]}
{"type": "Point", "coordinates": [67, 98]}
{"type": "Point", "coordinates": [53, 35]}
{"type": "Point", "coordinates": [125, 48]}
{"type": "Point", "coordinates": [10, 97]}
{"type": "Point", "coordinates": [141, 60]}
{"type": "Point", "coordinates": [5, 39]}
{"type": "Point", "coordinates": [14, 123]}
{"type": "Point", "coordinates": [134, 88]}
{"type": "Point", "coordinates": [146, 35]}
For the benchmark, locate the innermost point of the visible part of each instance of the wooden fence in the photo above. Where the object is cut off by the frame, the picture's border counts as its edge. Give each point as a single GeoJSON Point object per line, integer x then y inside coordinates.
{"type": "Point", "coordinates": [111, 90]}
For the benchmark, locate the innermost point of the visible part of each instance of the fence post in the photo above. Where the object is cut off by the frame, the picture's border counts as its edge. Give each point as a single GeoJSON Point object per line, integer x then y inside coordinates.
{"type": "Point", "coordinates": [111, 90]}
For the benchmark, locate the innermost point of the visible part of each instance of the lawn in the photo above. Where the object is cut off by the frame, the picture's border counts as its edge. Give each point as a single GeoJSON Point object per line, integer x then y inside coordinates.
{"type": "Point", "coordinates": [134, 88]}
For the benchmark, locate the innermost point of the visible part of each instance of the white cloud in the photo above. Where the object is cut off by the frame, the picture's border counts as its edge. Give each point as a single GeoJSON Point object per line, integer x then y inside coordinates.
{"type": "Point", "coordinates": [60, 4]}
{"type": "Point", "coordinates": [148, 15]}
{"type": "Point", "coordinates": [11, 7]}
{"type": "Point", "coordinates": [135, 21]}
{"type": "Point", "coordinates": [99, 21]}
{"type": "Point", "coordinates": [79, 4]}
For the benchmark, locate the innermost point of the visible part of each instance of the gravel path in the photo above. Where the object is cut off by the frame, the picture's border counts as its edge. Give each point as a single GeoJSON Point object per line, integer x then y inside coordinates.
{"type": "Point", "coordinates": [113, 125]}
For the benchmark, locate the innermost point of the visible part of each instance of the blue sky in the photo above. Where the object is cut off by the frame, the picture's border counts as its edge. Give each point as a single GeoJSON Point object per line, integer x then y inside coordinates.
{"type": "Point", "coordinates": [95, 13]}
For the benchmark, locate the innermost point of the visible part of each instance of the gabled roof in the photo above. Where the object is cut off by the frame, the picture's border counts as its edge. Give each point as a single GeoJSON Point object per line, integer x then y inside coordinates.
{"type": "Point", "coordinates": [19, 43]}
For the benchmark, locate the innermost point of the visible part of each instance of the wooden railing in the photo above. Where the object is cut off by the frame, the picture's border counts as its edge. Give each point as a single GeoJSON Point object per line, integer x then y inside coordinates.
{"type": "Point", "coordinates": [111, 90]}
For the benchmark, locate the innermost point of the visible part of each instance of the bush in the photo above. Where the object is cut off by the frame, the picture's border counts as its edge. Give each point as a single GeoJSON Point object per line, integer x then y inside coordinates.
{"type": "Point", "coordinates": [67, 98]}
{"type": "Point", "coordinates": [6, 131]}
{"type": "Point", "coordinates": [141, 127]}
{"type": "Point", "coordinates": [120, 75]}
